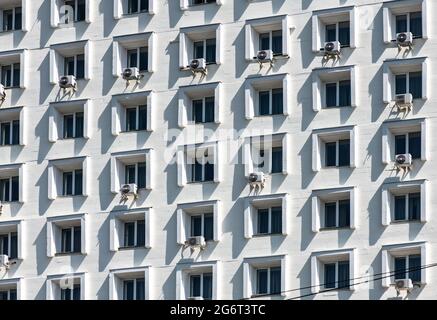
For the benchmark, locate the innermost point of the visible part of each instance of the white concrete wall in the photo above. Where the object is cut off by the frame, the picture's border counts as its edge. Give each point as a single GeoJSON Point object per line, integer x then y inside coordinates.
{"type": "Point", "coordinates": [369, 175]}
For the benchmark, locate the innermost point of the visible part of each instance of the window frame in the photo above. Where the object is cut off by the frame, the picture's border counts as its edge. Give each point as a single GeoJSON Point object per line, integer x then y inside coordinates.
{"type": "Point", "coordinates": [9, 236]}
{"type": "Point", "coordinates": [135, 283]}
{"type": "Point", "coordinates": [74, 126]}
{"type": "Point", "coordinates": [337, 281]}
{"type": "Point", "coordinates": [64, 245]}
{"type": "Point", "coordinates": [10, 191]}
{"type": "Point", "coordinates": [14, 19]}
{"type": "Point", "coordinates": [12, 84]}
{"type": "Point", "coordinates": [337, 154]}
{"type": "Point", "coordinates": [75, 63]}
{"type": "Point", "coordinates": [11, 133]}
{"type": "Point", "coordinates": [136, 244]}
{"type": "Point", "coordinates": [337, 32]}
{"type": "Point", "coordinates": [73, 183]}
{"type": "Point", "coordinates": [193, 115]}
{"type": "Point", "coordinates": [337, 215]}
{"type": "Point", "coordinates": [139, 8]}
{"type": "Point", "coordinates": [269, 281]}
{"type": "Point", "coordinates": [76, 10]}
{"type": "Point", "coordinates": [406, 213]}
{"type": "Point", "coordinates": [202, 284]}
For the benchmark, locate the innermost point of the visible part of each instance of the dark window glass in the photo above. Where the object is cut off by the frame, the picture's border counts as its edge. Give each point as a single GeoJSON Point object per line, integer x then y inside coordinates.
{"type": "Point", "coordinates": [416, 84]}
{"type": "Point", "coordinates": [208, 226]}
{"type": "Point", "coordinates": [81, 9]}
{"type": "Point", "coordinates": [15, 189]}
{"type": "Point", "coordinates": [5, 133]}
{"type": "Point", "coordinates": [141, 175]}
{"type": "Point", "coordinates": [7, 76]}
{"type": "Point", "coordinates": [209, 171]}
{"type": "Point", "coordinates": [207, 286]}
{"type": "Point", "coordinates": [4, 244]}
{"type": "Point", "coordinates": [264, 102]}
{"type": "Point", "coordinates": [196, 172]}
{"type": "Point", "coordinates": [264, 41]}
{"type": "Point", "coordinates": [400, 268]}
{"type": "Point", "coordinates": [198, 50]}
{"type": "Point", "coordinates": [344, 152]}
{"type": "Point", "coordinates": [263, 221]}
{"type": "Point", "coordinates": [331, 95]}
{"type": "Point", "coordinates": [7, 20]}
{"type": "Point", "coordinates": [416, 24]}
{"type": "Point", "coordinates": [15, 132]}
{"type": "Point", "coordinates": [144, 5]}
{"type": "Point", "coordinates": [129, 234]}
{"type": "Point", "coordinates": [132, 6]}
{"type": "Point", "coordinates": [343, 213]}
{"type": "Point", "coordinates": [79, 125]}
{"type": "Point", "coordinates": [195, 285]}
{"type": "Point", "coordinates": [330, 215]}
{"type": "Point", "coordinates": [210, 51]}
{"type": "Point", "coordinates": [401, 23]}
{"type": "Point", "coordinates": [128, 289]}
{"type": "Point", "coordinates": [141, 293]}
{"type": "Point", "coordinates": [331, 154]}
{"type": "Point", "coordinates": [276, 220]}
{"type": "Point", "coordinates": [277, 101]}
{"type": "Point", "coordinates": [77, 239]}
{"type": "Point", "coordinates": [401, 83]}
{"type": "Point", "coordinates": [198, 111]}
{"type": "Point", "coordinates": [131, 119]}
{"type": "Point", "coordinates": [196, 226]}
{"type": "Point", "coordinates": [16, 76]}
{"type": "Point", "coordinates": [68, 184]}
{"type": "Point", "coordinates": [4, 190]}
{"type": "Point", "coordinates": [142, 118]}
{"type": "Point", "coordinates": [18, 19]}
{"type": "Point", "coordinates": [277, 159]}
{"type": "Point", "coordinates": [330, 276]}
{"type": "Point", "coordinates": [66, 240]}
{"type": "Point", "coordinates": [144, 59]}
{"type": "Point", "coordinates": [275, 280]}
{"type": "Point", "coordinates": [414, 265]}
{"type": "Point", "coordinates": [344, 33]}
{"type": "Point", "coordinates": [68, 126]}
{"type": "Point", "coordinates": [80, 67]}
{"type": "Point", "coordinates": [345, 93]}
{"type": "Point", "coordinates": [400, 144]}
{"type": "Point", "coordinates": [400, 208]}
{"type": "Point", "coordinates": [415, 145]}
{"type": "Point", "coordinates": [130, 174]}
{"type": "Point", "coordinates": [3, 295]}
{"type": "Point", "coordinates": [14, 246]}
{"type": "Point", "coordinates": [262, 281]}
{"type": "Point", "coordinates": [414, 206]}
{"type": "Point", "coordinates": [69, 66]}
{"type": "Point", "coordinates": [343, 274]}
{"type": "Point", "coordinates": [331, 33]}
{"type": "Point", "coordinates": [132, 58]}
{"type": "Point", "coordinates": [141, 233]}
{"type": "Point", "coordinates": [12, 294]}
{"type": "Point", "coordinates": [277, 42]}
{"type": "Point", "coordinates": [261, 158]}
{"type": "Point", "coordinates": [77, 182]}
{"type": "Point", "coordinates": [209, 109]}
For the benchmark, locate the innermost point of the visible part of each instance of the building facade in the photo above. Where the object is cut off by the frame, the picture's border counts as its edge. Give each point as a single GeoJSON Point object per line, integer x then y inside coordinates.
{"type": "Point", "coordinates": [292, 159]}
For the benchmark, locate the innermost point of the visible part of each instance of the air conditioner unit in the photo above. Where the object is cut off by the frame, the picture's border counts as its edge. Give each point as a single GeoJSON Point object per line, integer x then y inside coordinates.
{"type": "Point", "coordinates": [198, 241]}
{"type": "Point", "coordinates": [403, 160]}
{"type": "Point", "coordinates": [129, 189]}
{"type": "Point", "coordinates": [4, 260]}
{"type": "Point", "coordinates": [195, 298]}
{"type": "Point", "coordinates": [264, 56]}
{"type": "Point", "coordinates": [2, 92]}
{"type": "Point", "coordinates": [404, 39]}
{"type": "Point", "coordinates": [198, 65]}
{"type": "Point", "coordinates": [256, 177]}
{"type": "Point", "coordinates": [404, 101]}
{"type": "Point", "coordinates": [403, 284]}
{"type": "Point", "coordinates": [332, 48]}
{"type": "Point", "coordinates": [131, 73]}
{"type": "Point", "coordinates": [67, 82]}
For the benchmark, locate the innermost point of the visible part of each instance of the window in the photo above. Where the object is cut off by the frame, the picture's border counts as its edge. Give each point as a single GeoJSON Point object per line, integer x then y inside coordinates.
{"type": "Point", "coordinates": [10, 133]}
{"type": "Point", "coordinates": [71, 240]}
{"type": "Point", "coordinates": [270, 221]}
{"type": "Point", "coordinates": [409, 83]}
{"type": "Point", "coordinates": [138, 58]}
{"type": "Point", "coordinates": [134, 233]}
{"type": "Point", "coordinates": [73, 125]}
{"type": "Point", "coordinates": [203, 110]}
{"type": "Point", "coordinates": [340, 32]}
{"type": "Point", "coordinates": [136, 173]}
{"type": "Point", "coordinates": [75, 66]}
{"type": "Point", "coordinates": [71, 293]}
{"type": "Point", "coordinates": [268, 154]}
{"type": "Point", "coordinates": [203, 225]}
{"type": "Point", "coordinates": [9, 189]}
{"type": "Point", "coordinates": [10, 75]}
{"type": "Point", "coordinates": [12, 19]}
{"type": "Point", "coordinates": [137, 6]}
{"type": "Point", "coordinates": [9, 245]}
{"type": "Point", "coordinates": [205, 49]}
{"type": "Point", "coordinates": [408, 267]}
{"type": "Point", "coordinates": [337, 275]}
{"type": "Point", "coordinates": [337, 154]}
{"type": "Point", "coordinates": [268, 281]}
{"type": "Point", "coordinates": [271, 40]}
{"type": "Point", "coordinates": [72, 183]}
{"type": "Point", "coordinates": [271, 102]}
{"type": "Point", "coordinates": [10, 294]}
{"type": "Point", "coordinates": [201, 285]}
{"type": "Point", "coordinates": [136, 118]}
{"type": "Point", "coordinates": [338, 94]}
{"type": "Point", "coordinates": [337, 214]}
{"type": "Point", "coordinates": [202, 170]}
{"type": "Point", "coordinates": [410, 22]}
{"type": "Point", "coordinates": [407, 207]}
{"type": "Point", "coordinates": [276, 159]}
{"type": "Point", "coordinates": [134, 289]}
{"type": "Point", "coordinates": [409, 143]}
{"type": "Point", "coordinates": [194, 2]}
{"type": "Point", "coordinates": [78, 8]}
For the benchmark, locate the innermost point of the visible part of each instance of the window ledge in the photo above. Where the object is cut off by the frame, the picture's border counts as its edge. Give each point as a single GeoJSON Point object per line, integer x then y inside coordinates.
{"type": "Point", "coordinates": [200, 182]}
{"type": "Point", "coordinates": [131, 248]}
{"type": "Point", "coordinates": [66, 254]}
{"type": "Point", "coordinates": [264, 295]}
{"type": "Point", "coordinates": [407, 222]}
{"type": "Point", "coordinates": [9, 31]}
{"type": "Point", "coordinates": [265, 235]}
{"type": "Point", "coordinates": [335, 229]}
{"type": "Point", "coordinates": [127, 15]}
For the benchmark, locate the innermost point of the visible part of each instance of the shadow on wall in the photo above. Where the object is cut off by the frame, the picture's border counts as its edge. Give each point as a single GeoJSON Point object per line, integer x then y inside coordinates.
{"type": "Point", "coordinates": [305, 214]}
{"type": "Point", "coordinates": [175, 13]}
{"type": "Point", "coordinates": [168, 286]}
{"type": "Point", "coordinates": [104, 179]}
{"type": "Point", "coordinates": [304, 98]}
{"type": "Point", "coordinates": [172, 248]}
{"type": "Point", "coordinates": [306, 163]}
{"type": "Point", "coordinates": [306, 46]}
{"type": "Point", "coordinates": [172, 51]}
{"type": "Point", "coordinates": [237, 283]}
{"type": "Point", "coordinates": [43, 16]}
{"type": "Point", "coordinates": [108, 78]}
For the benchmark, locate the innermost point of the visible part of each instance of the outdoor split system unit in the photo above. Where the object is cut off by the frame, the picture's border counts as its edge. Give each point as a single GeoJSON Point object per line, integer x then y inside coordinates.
{"type": "Point", "coordinates": [403, 160]}
{"type": "Point", "coordinates": [332, 48]}
{"type": "Point", "coordinates": [198, 241]}
{"type": "Point", "coordinates": [256, 177]}
{"type": "Point", "coordinates": [404, 284]}
{"type": "Point", "coordinates": [404, 101]}
{"type": "Point", "coordinates": [129, 189]}
{"type": "Point", "coordinates": [198, 65]}
{"type": "Point", "coordinates": [131, 74]}
{"type": "Point", "coordinates": [404, 39]}
{"type": "Point", "coordinates": [264, 56]}
{"type": "Point", "coordinates": [4, 261]}
{"type": "Point", "coordinates": [2, 93]}
{"type": "Point", "coordinates": [67, 82]}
